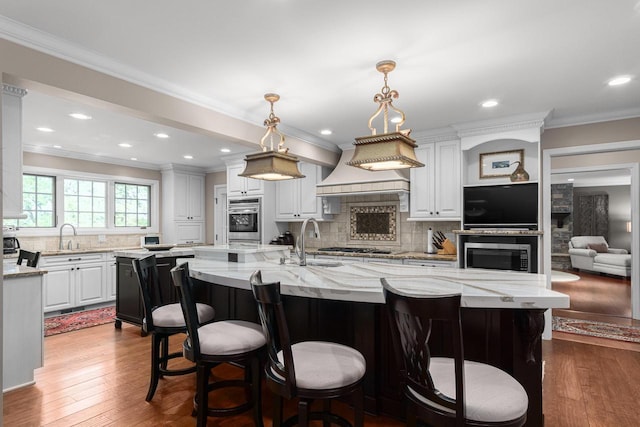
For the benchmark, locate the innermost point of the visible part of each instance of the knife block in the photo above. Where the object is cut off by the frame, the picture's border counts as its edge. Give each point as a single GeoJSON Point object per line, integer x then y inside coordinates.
{"type": "Point", "coordinates": [448, 248]}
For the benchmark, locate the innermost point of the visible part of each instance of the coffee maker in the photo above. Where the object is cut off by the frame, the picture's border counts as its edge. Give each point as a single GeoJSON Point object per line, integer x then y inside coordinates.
{"type": "Point", "coordinates": [10, 244]}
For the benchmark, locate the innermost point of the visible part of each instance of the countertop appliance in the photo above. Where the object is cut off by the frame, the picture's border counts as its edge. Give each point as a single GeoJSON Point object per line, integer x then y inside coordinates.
{"type": "Point", "coordinates": [10, 244]}
{"type": "Point", "coordinates": [498, 256]}
{"type": "Point", "coordinates": [149, 240]}
{"type": "Point", "coordinates": [245, 220]}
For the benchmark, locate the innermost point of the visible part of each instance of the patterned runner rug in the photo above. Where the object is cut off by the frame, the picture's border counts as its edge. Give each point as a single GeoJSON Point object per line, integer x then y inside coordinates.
{"type": "Point", "coordinates": [78, 320]}
{"type": "Point", "coordinates": [597, 329]}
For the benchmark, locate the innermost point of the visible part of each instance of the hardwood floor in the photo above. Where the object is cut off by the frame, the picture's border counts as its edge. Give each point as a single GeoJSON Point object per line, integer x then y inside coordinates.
{"type": "Point", "coordinates": [596, 294]}
{"type": "Point", "coordinates": [99, 377]}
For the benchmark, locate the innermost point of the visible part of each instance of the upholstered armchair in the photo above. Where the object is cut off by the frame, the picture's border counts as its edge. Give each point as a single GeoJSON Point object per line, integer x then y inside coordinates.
{"type": "Point", "coordinates": [592, 253]}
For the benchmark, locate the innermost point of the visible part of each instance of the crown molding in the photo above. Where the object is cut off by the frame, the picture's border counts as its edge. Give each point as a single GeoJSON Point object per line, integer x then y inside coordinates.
{"type": "Point", "coordinates": [587, 119]}
{"type": "Point", "coordinates": [13, 90]}
{"type": "Point", "coordinates": [88, 157]}
{"type": "Point", "coordinates": [504, 124]}
{"type": "Point", "coordinates": [442, 134]}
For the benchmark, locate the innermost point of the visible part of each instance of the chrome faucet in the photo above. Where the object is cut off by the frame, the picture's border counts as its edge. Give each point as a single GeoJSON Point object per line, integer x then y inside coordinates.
{"type": "Point", "coordinates": [61, 246]}
{"type": "Point", "coordinates": [302, 256]}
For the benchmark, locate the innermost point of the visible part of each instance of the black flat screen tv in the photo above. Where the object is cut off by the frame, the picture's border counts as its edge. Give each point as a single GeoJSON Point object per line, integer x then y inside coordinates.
{"type": "Point", "coordinates": [501, 206]}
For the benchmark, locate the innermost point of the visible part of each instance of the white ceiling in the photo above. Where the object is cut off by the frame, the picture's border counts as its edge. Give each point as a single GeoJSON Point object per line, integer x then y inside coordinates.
{"type": "Point", "coordinates": [532, 56]}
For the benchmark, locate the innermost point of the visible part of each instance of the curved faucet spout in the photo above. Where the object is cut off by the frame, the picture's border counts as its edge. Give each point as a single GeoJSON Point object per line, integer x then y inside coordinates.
{"type": "Point", "coordinates": [60, 245]}
{"type": "Point", "coordinates": [301, 251]}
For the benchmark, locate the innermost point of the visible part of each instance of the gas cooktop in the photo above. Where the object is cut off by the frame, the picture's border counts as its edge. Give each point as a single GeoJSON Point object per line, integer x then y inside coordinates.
{"type": "Point", "coordinates": [355, 250]}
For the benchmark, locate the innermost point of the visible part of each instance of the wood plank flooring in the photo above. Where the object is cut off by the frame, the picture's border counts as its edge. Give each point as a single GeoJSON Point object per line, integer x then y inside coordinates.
{"type": "Point", "coordinates": [99, 377]}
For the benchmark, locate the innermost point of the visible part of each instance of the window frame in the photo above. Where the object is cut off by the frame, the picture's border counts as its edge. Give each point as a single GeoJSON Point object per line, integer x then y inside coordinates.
{"type": "Point", "coordinates": [60, 175]}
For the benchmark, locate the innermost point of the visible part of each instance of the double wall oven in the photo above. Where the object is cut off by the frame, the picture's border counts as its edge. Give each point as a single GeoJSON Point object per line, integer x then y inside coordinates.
{"type": "Point", "coordinates": [245, 220]}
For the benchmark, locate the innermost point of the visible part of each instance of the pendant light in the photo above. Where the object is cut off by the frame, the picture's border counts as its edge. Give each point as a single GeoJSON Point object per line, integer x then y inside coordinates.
{"type": "Point", "coordinates": [272, 163]}
{"type": "Point", "coordinates": [389, 150]}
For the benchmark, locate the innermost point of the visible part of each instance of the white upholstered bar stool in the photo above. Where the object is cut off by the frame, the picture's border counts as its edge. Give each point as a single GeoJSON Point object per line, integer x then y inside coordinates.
{"type": "Point", "coordinates": [161, 320]}
{"type": "Point", "coordinates": [237, 342]}
{"type": "Point", "coordinates": [308, 370]}
{"type": "Point", "coordinates": [445, 391]}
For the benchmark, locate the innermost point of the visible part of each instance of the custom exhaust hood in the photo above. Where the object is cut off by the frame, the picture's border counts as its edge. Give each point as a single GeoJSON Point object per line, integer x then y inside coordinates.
{"type": "Point", "coordinates": [347, 180]}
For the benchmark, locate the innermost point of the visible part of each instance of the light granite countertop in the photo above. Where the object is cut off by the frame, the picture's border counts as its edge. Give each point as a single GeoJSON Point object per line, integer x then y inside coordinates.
{"type": "Point", "coordinates": [11, 271]}
{"type": "Point", "coordinates": [141, 253]}
{"type": "Point", "coordinates": [360, 282]}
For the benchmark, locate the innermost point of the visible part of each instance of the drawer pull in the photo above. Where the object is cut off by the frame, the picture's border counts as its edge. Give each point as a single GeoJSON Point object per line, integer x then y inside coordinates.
{"type": "Point", "coordinates": [75, 259]}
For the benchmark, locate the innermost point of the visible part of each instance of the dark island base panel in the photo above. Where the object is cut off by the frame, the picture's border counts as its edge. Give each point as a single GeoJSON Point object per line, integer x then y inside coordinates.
{"type": "Point", "coordinates": [508, 339]}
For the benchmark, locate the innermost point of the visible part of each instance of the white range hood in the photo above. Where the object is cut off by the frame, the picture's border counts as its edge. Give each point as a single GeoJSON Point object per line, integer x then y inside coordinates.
{"type": "Point", "coordinates": [347, 180]}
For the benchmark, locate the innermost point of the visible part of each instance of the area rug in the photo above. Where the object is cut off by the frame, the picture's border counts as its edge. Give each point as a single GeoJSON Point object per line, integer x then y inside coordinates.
{"type": "Point", "coordinates": [78, 320]}
{"type": "Point", "coordinates": [597, 329]}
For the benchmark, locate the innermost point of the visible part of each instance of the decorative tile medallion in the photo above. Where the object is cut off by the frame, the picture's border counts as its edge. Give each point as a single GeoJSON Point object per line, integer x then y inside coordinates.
{"type": "Point", "coordinates": [378, 222]}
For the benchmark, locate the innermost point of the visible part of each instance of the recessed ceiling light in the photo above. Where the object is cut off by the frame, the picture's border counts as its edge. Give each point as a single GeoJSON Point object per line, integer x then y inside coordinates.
{"type": "Point", "coordinates": [124, 145]}
{"type": "Point", "coordinates": [57, 146]}
{"type": "Point", "coordinates": [620, 80]}
{"type": "Point", "coordinates": [45, 129]}
{"type": "Point", "coordinates": [396, 119]}
{"type": "Point", "coordinates": [161, 135]}
{"type": "Point", "coordinates": [225, 150]}
{"type": "Point", "coordinates": [326, 132]}
{"type": "Point", "coordinates": [80, 116]}
{"type": "Point", "coordinates": [570, 179]}
{"type": "Point", "coordinates": [134, 158]}
{"type": "Point", "coordinates": [489, 103]}
{"type": "Point", "coordinates": [188, 156]}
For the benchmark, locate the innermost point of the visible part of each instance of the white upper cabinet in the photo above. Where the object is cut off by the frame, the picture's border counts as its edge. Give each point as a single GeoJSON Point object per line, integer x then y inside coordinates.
{"type": "Point", "coordinates": [296, 198]}
{"type": "Point", "coordinates": [435, 188]}
{"type": "Point", "coordinates": [183, 212]}
{"type": "Point", "coordinates": [241, 186]}
{"type": "Point", "coordinates": [12, 151]}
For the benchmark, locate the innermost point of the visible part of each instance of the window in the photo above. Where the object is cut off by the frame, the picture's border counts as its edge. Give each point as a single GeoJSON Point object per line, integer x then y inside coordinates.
{"type": "Point", "coordinates": [38, 202]}
{"type": "Point", "coordinates": [85, 203]}
{"type": "Point", "coordinates": [132, 205]}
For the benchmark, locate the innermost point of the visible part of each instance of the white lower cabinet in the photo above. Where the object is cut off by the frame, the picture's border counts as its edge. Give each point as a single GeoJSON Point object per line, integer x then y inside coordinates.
{"type": "Point", "coordinates": [74, 281]}
{"type": "Point", "coordinates": [112, 276]}
{"type": "Point", "coordinates": [385, 260]}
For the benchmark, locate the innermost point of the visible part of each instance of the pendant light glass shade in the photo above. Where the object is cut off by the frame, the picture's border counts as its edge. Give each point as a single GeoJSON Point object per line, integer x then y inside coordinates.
{"type": "Point", "coordinates": [390, 150]}
{"type": "Point", "coordinates": [272, 164]}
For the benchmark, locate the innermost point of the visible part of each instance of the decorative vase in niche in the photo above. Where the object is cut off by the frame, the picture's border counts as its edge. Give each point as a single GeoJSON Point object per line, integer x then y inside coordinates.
{"type": "Point", "coordinates": [519, 175]}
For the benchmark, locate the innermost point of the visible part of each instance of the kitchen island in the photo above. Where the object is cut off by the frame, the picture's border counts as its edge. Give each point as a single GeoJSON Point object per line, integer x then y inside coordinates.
{"type": "Point", "coordinates": [23, 325]}
{"type": "Point", "coordinates": [343, 302]}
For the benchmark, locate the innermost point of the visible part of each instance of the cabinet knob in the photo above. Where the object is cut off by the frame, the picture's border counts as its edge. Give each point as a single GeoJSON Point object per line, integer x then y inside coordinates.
{"type": "Point", "coordinates": [437, 213]}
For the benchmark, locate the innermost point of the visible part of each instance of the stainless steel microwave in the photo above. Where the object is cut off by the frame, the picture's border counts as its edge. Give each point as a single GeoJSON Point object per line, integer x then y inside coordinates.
{"type": "Point", "coordinates": [498, 256]}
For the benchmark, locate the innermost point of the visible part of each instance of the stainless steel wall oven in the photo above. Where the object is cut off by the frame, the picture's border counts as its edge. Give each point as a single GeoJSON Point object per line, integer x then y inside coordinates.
{"type": "Point", "coordinates": [245, 220]}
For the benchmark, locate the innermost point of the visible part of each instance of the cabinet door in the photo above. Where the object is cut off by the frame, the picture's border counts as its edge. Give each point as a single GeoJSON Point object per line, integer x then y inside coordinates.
{"type": "Point", "coordinates": [58, 288]}
{"type": "Point", "coordinates": [181, 196]}
{"type": "Point", "coordinates": [235, 183]}
{"type": "Point", "coordinates": [189, 232]}
{"type": "Point", "coordinates": [423, 186]}
{"type": "Point", "coordinates": [112, 276]}
{"type": "Point", "coordinates": [254, 187]}
{"type": "Point", "coordinates": [90, 283]}
{"type": "Point", "coordinates": [196, 197]}
{"type": "Point", "coordinates": [447, 177]}
{"type": "Point", "coordinates": [310, 205]}
{"type": "Point", "coordinates": [287, 199]}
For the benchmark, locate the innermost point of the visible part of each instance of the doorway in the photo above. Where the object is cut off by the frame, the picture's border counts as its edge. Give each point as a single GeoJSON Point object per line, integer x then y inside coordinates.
{"type": "Point", "coordinates": [633, 168]}
{"type": "Point", "coordinates": [590, 202]}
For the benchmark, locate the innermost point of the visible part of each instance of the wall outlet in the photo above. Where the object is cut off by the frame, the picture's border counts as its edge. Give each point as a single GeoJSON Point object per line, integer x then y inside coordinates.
{"type": "Point", "coordinates": [102, 238]}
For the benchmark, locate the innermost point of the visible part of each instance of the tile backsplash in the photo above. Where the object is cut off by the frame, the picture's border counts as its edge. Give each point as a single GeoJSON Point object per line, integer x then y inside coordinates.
{"type": "Point", "coordinates": [51, 243]}
{"type": "Point", "coordinates": [409, 235]}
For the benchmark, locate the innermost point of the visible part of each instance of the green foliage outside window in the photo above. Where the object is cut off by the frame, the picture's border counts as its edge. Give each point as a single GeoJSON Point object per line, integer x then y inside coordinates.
{"type": "Point", "coordinates": [85, 203]}
{"type": "Point", "coordinates": [38, 202]}
{"type": "Point", "coordinates": [132, 205]}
